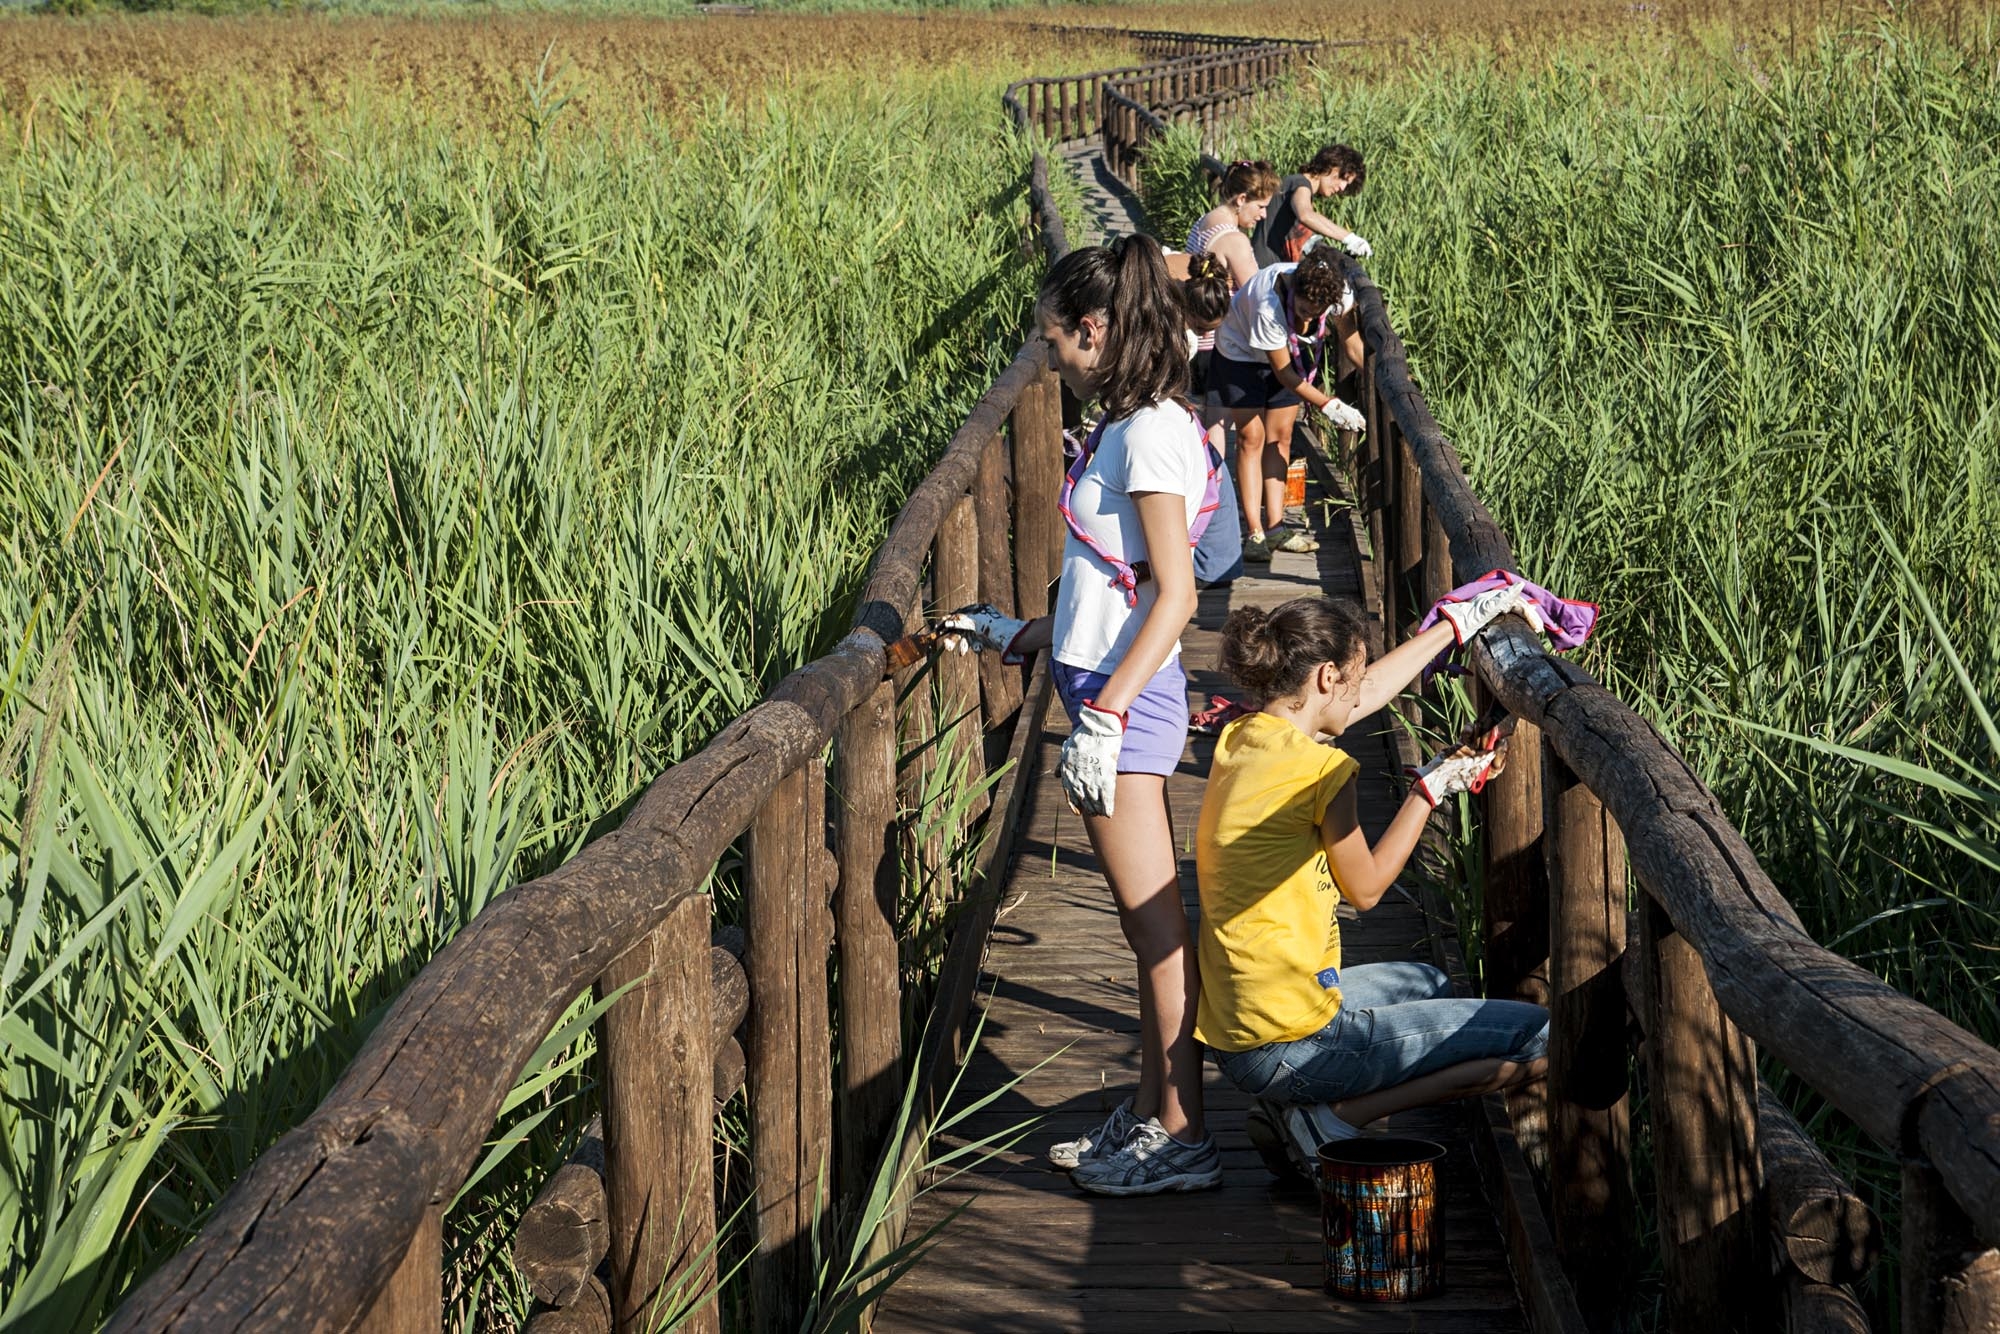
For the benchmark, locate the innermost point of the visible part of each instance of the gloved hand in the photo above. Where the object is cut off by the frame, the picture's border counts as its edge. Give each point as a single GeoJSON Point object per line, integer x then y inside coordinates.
{"type": "Point", "coordinates": [1357, 245]}
{"type": "Point", "coordinates": [1343, 417]}
{"type": "Point", "coordinates": [1468, 618]}
{"type": "Point", "coordinates": [1089, 765]}
{"type": "Point", "coordinates": [981, 626]}
{"type": "Point", "coordinates": [1460, 769]}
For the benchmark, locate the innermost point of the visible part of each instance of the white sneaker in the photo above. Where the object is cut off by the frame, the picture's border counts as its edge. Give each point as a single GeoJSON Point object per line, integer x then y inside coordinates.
{"type": "Point", "coordinates": [1107, 1139]}
{"type": "Point", "coordinates": [1152, 1163]}
{"type": "Point", "coordinates": [1307, 1127]}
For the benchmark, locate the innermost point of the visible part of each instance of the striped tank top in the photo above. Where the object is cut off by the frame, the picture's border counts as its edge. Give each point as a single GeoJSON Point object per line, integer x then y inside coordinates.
{"type": "Point", "coordinates": [1200, 237]}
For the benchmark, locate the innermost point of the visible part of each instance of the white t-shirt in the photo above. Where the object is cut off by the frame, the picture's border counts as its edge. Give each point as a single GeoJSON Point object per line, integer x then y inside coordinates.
{"type": "Point", "coordinates": [1255, 324]}
{"type": "Point", "coordinates": [1155, 449]}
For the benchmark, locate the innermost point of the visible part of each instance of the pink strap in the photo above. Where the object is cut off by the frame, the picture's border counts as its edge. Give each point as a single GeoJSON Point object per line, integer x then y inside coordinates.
{"type": "Point", "coordinates": [1123, 576]}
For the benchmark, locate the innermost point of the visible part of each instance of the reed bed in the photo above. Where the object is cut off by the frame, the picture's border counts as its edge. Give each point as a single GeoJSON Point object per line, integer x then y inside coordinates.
{"type": "Point", "coordinates": [384, 509]}
{"type": "Point", "coordinates": [1715, 339]}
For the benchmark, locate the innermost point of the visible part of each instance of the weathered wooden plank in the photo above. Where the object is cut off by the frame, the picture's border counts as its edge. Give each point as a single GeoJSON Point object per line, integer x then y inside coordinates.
{"type": "Point", "coordinates": [658, 1048]}
{"type": "Point", "coordinates": [412, 1301]}
{"type": "Point", "coordinates": [1590, 1171]}
{"type": "Point", "coordinates": [871, 1005]}
{"type": "Point", "coordinates": [774, 917]}
{"type": "Point", "coordinates": [1702, 1078]}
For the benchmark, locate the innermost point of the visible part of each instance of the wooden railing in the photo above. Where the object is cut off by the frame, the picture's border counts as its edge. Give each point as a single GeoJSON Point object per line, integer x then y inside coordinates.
{"type": "Point", "coordinates": [1071, 106]}
{"type": "Point", "coordinates": [339, 1224]}
{"type": "Point", "coordinates": [1756, 1230]}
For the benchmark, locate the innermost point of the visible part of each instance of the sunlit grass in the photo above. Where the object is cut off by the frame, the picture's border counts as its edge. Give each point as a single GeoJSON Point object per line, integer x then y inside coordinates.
{"type": "Point", "coordinates": [383, 508]}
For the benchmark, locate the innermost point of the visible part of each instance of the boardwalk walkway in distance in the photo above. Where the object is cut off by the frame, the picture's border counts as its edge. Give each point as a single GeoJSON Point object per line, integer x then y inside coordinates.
{"type": "Point", "coordinates": [1109, 209]}
{"type": "Point", "coordinates": [1031, 1252]}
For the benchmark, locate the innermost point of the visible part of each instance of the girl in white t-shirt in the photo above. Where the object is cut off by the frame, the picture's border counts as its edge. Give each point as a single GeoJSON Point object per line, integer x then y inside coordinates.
{"type": "Point", "coordinates": [1115, 332]}
{"type": "Point", "coordinates": [1269, 352]}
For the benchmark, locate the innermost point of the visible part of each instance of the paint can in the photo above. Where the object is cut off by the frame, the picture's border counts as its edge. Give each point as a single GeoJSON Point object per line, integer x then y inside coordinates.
{"type": "Point", "coordinates": [1382, 1217]}
{"type": "Point", "coordinates": [1295, 484]}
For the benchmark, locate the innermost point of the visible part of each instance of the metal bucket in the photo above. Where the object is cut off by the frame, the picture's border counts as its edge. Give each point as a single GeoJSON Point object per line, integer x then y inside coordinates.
{"type": "Point", "coordinates": [1295, 484]}
{"type": "Point", "coordinates": [1382, 1217]}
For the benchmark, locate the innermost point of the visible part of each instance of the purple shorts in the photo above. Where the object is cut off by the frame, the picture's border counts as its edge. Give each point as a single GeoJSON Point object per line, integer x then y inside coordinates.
{"type": "Point", "coordinates": [1156, 726]}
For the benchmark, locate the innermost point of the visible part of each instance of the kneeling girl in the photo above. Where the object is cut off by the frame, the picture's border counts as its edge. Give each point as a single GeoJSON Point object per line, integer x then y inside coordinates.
{"type": "Point", "coordinates": [1328, 1048]}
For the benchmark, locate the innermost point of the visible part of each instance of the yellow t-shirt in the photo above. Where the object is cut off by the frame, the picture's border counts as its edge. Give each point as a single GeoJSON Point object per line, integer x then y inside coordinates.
{"type": "Point", "coordinates": [1267, 894]}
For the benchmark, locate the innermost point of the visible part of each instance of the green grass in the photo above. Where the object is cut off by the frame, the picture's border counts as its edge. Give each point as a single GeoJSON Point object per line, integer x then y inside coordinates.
{"type": "Point", "coordinates": [1715, 333]}
{"type": "Point", "coordinates": [383, 508]}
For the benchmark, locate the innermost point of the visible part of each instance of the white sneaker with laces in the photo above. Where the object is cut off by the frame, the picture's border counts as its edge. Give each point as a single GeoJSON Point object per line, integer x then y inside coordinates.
{"type": "Point", "coordinates": [1307, 1127]}
{"type": "Point", "coordinates": [1152, 1163]}
{"type": "Point", "coordinates": [1106, 1139]}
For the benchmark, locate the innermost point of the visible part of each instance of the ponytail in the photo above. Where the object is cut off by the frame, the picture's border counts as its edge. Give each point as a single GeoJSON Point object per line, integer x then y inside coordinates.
{"type": "Point", "coordinates": [1271, 653]}
{"type": "Point", "coordinates": [1206, 291]}
{"type": "Point", "coordinates": [1256, 180]}
{"type": "Point", "coordinates": [1144, 358]}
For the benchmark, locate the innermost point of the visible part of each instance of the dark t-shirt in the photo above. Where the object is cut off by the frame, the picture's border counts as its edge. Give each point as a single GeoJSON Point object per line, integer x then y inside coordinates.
{"type": "Point", "coordinates": [1269, 238]}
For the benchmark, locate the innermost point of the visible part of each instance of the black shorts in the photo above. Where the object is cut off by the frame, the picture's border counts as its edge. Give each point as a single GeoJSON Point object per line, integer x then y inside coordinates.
{"type": "Point", "coordinates": [1249, 384]}
{"type": "Point", "coordinates": [1200, 368]}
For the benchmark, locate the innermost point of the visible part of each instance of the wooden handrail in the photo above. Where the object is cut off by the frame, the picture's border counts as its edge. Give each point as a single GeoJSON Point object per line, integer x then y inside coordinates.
{"type": "Point", "coordinates": [1721, 956]}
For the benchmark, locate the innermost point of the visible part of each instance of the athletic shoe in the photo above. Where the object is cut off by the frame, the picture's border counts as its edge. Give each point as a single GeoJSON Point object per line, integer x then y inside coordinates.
{"type": "Point", "coordinates": [1264, 1123]}
{"type": "Point", "coordinates": [1292, 539]}
{"type": "Point", "coordinates": [1257, 549]}
{"type": "Point", "coordinates": [1151, 1163]}
{"type": "Point", "coordinates": [1307, 1127]}
{"type": "Point", "coordinates": [1106, 1139]}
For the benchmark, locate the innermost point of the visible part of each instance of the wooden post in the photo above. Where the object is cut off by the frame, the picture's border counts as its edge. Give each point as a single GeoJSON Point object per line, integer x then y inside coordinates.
{"type": "Point", "coordinates": [1407, 568]}
{"type": "Point", "coordinates": [412, 1301]}
{"type": "Point", "coordinates": [955, 574]}
{"type": "Point", "coordinates": [657, 1047]}
{"type": "Point", "coordinates": [1037, 440]}
{"type": "Point", "coordinates": [1517, 912]}
{"type": "Point", "coordinates": [1951, 1279]}
{"type": "Point", "coordinates": [1387, 514]}
{"type": "Point", "coordinates": [1439, 575]}
{"type": "Point", "coordinates": [871, 997]}
{"type": "Point", "coordinates": [999, 684]}
{"type": "Point", "coordinates": [1701, 1075]}
{"type": "Point", "coordinates": [1062, 107]}
{"type": "Point", "coordinates": [774, 911]}
{"type": "Point", "coordinates": [1590, 1166]}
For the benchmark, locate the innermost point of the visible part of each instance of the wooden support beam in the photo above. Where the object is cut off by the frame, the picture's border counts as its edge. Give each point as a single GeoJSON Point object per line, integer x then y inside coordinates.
{"type": "Point", "coordinates": [1951, 1276]}
{"type": "Point", "coordinates": [781, 1263]}
{"type": "Point", "coordinates": [567, 1230]}
{"type": "Point", "coordinates": [1036, 431]}
{"type": "Point", "coordinates": [1702, 1079]}
{"type": "Point", "coordinates": [999, 684]}
{"type": "Point", "coordinates": [1819, 1226]}
{"type": "Point", "coordinates": [1590, 1169]}
{"type": "Point", "coordinates": [955, 572]}
{"type": "Point", "coordinates": [412, 1301]}
{"type": "Point", "coordinates": [657, 1044]}
{"type": "Point", "coordinates": [871, 1004]}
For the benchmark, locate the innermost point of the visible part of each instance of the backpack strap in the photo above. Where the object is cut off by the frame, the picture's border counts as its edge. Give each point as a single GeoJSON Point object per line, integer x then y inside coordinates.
{"type": "Point", "coordinates": [1123, 576]}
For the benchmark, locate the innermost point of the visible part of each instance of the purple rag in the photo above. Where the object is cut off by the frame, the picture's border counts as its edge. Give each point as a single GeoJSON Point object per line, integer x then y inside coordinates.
{"type": "Point", "coordinates": [1569, 622]}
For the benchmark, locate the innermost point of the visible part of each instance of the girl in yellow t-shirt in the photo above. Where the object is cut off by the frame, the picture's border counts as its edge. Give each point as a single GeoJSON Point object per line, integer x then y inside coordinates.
{"type": "Point", "coordinates": [1327, 1049]}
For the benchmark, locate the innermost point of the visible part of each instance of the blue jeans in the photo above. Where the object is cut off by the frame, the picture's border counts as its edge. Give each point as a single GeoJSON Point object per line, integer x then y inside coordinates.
{"type": "Point", "coordinates": [1397, 1022]}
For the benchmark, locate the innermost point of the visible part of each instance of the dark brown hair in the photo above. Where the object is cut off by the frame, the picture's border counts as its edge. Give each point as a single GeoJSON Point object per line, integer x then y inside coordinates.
{"type": "Point", "coordinates": [1144, 358]}
{"type": "Point", "coordinates": [1271, 653]}
{"type": "Point", "coordinates": [1258, 180]}
{"type": "Point", "coordinates": [1319, 282]}
{"type": "Point", "coordinates": [1205, 292]}
{"type": "Point", "coordinates": [1340, 158]}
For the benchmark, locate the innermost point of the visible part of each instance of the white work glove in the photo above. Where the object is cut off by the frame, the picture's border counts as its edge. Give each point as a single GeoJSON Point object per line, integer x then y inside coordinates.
{"type": "Point", "coordinates": [981, 626]}
{"type": "Point", "coordinates": [1468, 618]}
{"type": "Point", "coordinates": [1089, 765]}
{"type": "Point", "coordinates": [1460, 769]}
{"type": "Point", "coordinates": [1343, 417]}
{"type": "Point", "coordinates": [1357, 245]}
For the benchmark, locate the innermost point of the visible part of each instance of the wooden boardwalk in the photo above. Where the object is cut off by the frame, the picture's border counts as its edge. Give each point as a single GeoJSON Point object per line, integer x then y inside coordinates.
{"type": "Point", "coordinates": [1109, 209]}
{"type": "Point", "coordinates": [1031, 1252]}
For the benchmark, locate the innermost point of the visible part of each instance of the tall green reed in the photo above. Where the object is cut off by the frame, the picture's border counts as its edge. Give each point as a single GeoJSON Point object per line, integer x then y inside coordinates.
{"type": "Point", "coordinates": [1714, 333]}
{"type": "Point", "coordinates": [385, 508]}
